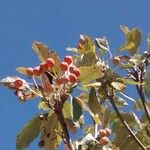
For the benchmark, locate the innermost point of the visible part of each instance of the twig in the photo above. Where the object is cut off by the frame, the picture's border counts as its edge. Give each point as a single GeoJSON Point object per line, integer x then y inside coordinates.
{"type": "Point", "coordinates": [111, 99]}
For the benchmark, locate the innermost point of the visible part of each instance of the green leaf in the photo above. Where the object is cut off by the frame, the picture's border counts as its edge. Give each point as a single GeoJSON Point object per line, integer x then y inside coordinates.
{"type": "Point", "coordinates": [67, 110]}
{"type": "Point", "coordinates": [90, 73]}
{"type": "Point", "coordinates": [41, 50]}
{"type": "Point", "coordinates": [118, 86]}
{"type": "Point", "coordinates": [94, 84]}
{"type": "Point", "coordinates": [87, 59]}
{"type": "Point", "coordinates": [77, 110]}
{"type": "Point", "coordinates": [28, 133]}
{"type": "Point", "coordinates": [147, 84]}
{"type": "Point", "coordinates": [133, 40]}
{"type": "Point", "coordinates": [120, 102]}
{"type": "Point", "coordinates": [93, 102]}
{"type": "Point", "coordinates": [138, 105]}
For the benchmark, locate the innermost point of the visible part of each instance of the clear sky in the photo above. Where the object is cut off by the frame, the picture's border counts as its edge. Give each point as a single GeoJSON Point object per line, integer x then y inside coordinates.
{"type": "Point", "coordinates": [57, 23]}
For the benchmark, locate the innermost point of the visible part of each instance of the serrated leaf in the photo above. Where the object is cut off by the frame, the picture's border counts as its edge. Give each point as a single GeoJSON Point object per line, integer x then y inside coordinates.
{"type": "Point", "coordinates": [41, 50]}
{"type": "Point", "coordinates": [133, 40]}
{"type": "Point", "coordinates": [118, 86]}
{"type": "Point", "coordinates": [77, 110]}
{"type": "Point", "coordinates": [28, 133]}
{"type": "Point", "coordinates": [90, 73]}
{"type": "Point", "coordinates": [85, 44]}
{"type": "Point", "coordinates": [87, 59]}
{"type": "Point", "coordinates": [93, 102]}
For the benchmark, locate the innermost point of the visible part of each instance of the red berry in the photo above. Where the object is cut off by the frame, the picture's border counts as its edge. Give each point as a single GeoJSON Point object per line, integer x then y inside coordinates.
{"type": "Point", "coordinates": [77, 72]}
{"type": "Point", "coordinates": [37, 71]}
{"type": "Point", "coordinates": [68, 59]}
{"type": "Point", "coordinates": [72, 78]}
{"type": "Point", "coordinates": [44, 66]}
{"type": "Point", "coordinates": [102, 133]}
{"type": "Point", "coordinates": [50, 62]}
{"type": "Point", "coordinates": [65, 80]}
{"type": "Point", "coordinates": [104, 140]}
{"type": "Point", "coordinates": [71, 68]}
{"type": "Point", "coordinates": [59, 81]}
{"type": "Point", "coordinates": [64, 66]}
{"type": "Point", "coordinates": [108, 131]}
{"type": "Point", "coordinates": [18, 83]}
{"type": "Point", "coordinates": [29, 71]}
{"type": "Point", "coordinates": [41, 143]}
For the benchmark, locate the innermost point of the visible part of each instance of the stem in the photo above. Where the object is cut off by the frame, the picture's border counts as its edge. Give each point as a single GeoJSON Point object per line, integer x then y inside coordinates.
{"type": "Point", "coordinates": [140, 89]}
{"type": "Point", "coordinates": [64, 128]}
{"type": "Point", "coordinates": [123, 121]}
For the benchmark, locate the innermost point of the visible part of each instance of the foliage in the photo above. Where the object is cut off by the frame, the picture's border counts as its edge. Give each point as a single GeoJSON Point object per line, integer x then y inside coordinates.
{"type": "Point", "coordinates": [119, 121]}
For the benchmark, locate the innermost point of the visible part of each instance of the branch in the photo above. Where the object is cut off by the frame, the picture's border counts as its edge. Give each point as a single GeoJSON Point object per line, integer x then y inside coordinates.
{"type": "Point", "coordinates": [123, 121]}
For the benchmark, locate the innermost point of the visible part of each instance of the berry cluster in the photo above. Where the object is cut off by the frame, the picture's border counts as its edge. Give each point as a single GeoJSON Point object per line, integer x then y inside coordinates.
{"type": "Point", "coordinates": [38, 70]}
{"type": "Point", "coordinates": [104, 134]}
{"type": "Point", "coordinates": [70, 72]}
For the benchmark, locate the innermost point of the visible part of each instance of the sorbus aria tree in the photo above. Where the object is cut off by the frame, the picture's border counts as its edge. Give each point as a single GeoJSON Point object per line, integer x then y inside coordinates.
{"type": "Point", "coordinates": [103, 81]}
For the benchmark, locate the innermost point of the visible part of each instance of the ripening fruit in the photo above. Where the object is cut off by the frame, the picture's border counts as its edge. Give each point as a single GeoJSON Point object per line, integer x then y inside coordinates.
{"type": "Point", "coordinates": [116, 60]}
{"type": "Point", "coordinates": [102, 133]}
{"type": "Point", "coordinates": [65, 80]}
{"type": "Point", "coordinates": [71, 68]}
{"type": "Point", "coordinates": [44, 66]}
{"type": "Point", "coordinates": [18, 83]}
{"type": "Point", "coordinates": [108, 131]}
{"type": "Point", "coordinates": [64, 66]}
{"type": "Point", "coordinates": [68, 59]}
{"type": "Point", "coordinates": [72, 78]}
{"type": "Point", "coordinates": [104, 140]}
{"type": "Point", "coordinates": [59, 81]}
{"type": "Point", "coordinates": [41, 143]}
{"type": "Point", "coordinates": [29, 71]}
{"type": "Point", "coordinates": [50, 62]}
{"type": "Point", "coordinates": [37, 71]}
{"type": "Point", "coordinates": [76, 71]}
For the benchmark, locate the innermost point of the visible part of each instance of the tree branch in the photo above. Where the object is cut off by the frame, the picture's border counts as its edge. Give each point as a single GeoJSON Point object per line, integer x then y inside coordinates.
{"type": "Point", "coordinates": [123, 121]}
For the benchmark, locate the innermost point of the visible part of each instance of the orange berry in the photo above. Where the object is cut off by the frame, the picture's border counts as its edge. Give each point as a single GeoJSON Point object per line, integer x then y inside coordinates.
{"type": "Point", "coordinates": [68, 59]}
{"type": "Point", "coordinates": [72, 78]}
{"type": "Point", "coordinates": [50, 62]}
{"type": "Point", "coordinates": [37, 71]}
{"type": "Point", "coordinates": [108, 131]}
{"type": "Point", "coordinates": [44, 66]}
{"type": "Point", "coordinates": [29, 71]}
{"type": "Point", "coordinates": [102, 133]}
{"type": "Point", "coordinates": [18, 83]}
{"type": "Point", "coordinates": [64, 66]}
{"type": "Point", "coordinates": [104, 140]}
{"type": "Point", "coordinates": [116, 60]}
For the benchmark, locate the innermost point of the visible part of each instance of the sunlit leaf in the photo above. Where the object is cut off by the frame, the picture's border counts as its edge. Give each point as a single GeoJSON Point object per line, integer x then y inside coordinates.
{"type": "Point", "coordinates": [85, 44]}
{"type": "Point", "coordinates": [118, 86]}
{"type": "Point", "coordinates": [90, 73]}
{"type": "Point", "coordinates": [21, 70]}
{"type": "Point", "coordinates": [133, 40]}
{"type": "Point", "coordinates": [28, 133]}
{"type": "Point", "coordinates": [147, 84]}
{"type": "Point", "coordinates": [43, 105]}
{"type": "Point", "coordinates": [94, 84]}
{"type": "Point", "coordinates": [67, 110]}
{"type": "Point", "coordinates": [148, 41]}
{"type": "Point", "coordinates": [120, 102]}
{"type": "Point", "coordinates": [125, 29]}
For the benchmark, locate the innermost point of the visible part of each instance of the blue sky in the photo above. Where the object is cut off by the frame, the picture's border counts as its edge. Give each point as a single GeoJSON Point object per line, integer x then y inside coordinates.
{"type": "Point", "coordinates": [57, 23]}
